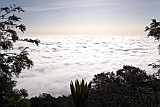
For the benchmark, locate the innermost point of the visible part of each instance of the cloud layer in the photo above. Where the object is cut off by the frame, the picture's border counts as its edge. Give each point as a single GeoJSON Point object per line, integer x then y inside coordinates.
{"type": "Point", "coordinates": [60, 59]}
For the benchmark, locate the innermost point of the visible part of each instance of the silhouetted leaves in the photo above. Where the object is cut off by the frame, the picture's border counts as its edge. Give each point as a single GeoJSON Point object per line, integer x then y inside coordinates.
{"type": "Point", "coordinates": [36, 41]}
{"type": "Point", "coordinates": [153, 29]}
{"type": "Point", "coordinates": [46, 100]}
{"type": "Point", "coordinates": [80, 92]}
{"type": "Point", "coordinates": [127, 87]}
{"type": "Point", "coordinates": [11, 64]}
{"type": "Point", "coordinates": [21, 27]}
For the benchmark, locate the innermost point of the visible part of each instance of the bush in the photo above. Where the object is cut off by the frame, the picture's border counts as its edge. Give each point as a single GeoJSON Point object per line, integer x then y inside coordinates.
{"type": "Point", "coordinates": [127, 87]}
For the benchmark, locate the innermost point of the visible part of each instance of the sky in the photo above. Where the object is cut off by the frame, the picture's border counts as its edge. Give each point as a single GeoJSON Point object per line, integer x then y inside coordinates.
{"type": "Point", "coordinates": [86, 17]}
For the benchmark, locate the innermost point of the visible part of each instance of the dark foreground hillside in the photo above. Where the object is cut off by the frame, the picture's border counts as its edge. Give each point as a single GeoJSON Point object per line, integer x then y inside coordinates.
{"type": "Point", "coordinates": [127, 87]}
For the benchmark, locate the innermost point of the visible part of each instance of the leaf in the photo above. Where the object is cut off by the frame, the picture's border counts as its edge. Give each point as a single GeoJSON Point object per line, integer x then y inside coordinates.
{"type": "Point", "coordinates": [14, 18]}
{"type": "Point", "coordinates": [153, 20]}
{"type": "Point", "coordinates": [21, 27]}
{"type": "Point", "coordinates": [80, 93]}
{"type": "Point", "coordinates": [146, 28]}
{"type": "Point", "coordinates": [6, 9]}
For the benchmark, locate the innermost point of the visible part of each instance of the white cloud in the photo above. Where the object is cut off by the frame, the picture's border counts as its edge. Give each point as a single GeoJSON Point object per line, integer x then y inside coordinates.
{"type": "Point", "coordinates": [81, 57]}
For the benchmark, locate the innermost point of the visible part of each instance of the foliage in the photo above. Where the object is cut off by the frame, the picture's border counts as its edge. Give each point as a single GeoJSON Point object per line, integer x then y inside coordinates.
{"type": "Point", "coordinates": [11, 64]}
{"type": "Point", "coordinates": [154, 31]}
{"type": "Point", "coordinates": [46, 100]}
{"type": "Point", "coordinates": [80, 93]}
{"type": "Point", "coordinates": [128, 87]}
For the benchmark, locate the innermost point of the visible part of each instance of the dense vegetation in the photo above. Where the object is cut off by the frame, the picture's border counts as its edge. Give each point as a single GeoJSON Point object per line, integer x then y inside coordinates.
{"type": "Point", "coordinates": [12, 63]}
{"type": "Point", "coordinates": [154, 31]}
{"type": "Point", "coordinates": [80, 92]}
{"type": "Point", "coordinates": [126, 87]}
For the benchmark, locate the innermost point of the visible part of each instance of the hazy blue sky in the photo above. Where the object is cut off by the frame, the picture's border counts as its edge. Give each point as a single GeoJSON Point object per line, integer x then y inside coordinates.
{"type": "Point", "coordinates": [87, 17]}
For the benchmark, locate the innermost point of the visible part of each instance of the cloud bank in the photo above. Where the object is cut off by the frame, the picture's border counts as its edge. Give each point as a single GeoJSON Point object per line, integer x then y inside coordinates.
{"type": "Point", "coordinates": [60, 59]}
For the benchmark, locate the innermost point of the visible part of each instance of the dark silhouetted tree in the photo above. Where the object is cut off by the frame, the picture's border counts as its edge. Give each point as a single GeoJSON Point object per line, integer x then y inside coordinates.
{"type": "Point", "coordinates": [46, 100]}
{"type": "Point", "coordinates": [127, 87]}
{"type": "Point", "coordinates": [11, 64]}
{"type": "Point", "coordinates": [154, 31]}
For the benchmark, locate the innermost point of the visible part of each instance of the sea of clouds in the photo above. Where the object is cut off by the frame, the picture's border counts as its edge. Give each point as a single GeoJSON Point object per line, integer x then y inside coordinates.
{"type": "Point", "coordinates": [60, 59]}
